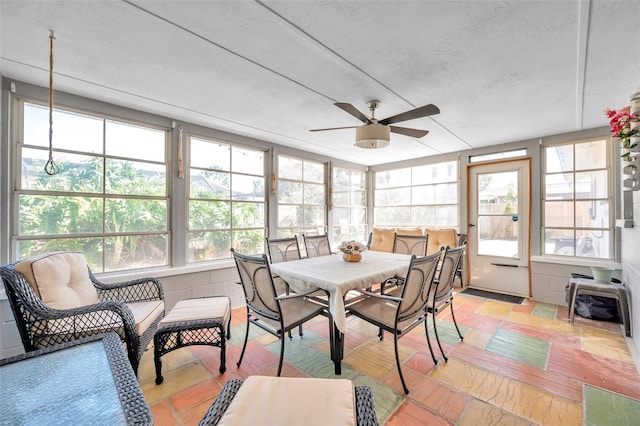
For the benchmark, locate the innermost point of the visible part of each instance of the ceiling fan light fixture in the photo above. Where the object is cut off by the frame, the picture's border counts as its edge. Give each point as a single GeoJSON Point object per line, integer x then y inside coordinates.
{"type": "Point", "coordinates": [373, 136]}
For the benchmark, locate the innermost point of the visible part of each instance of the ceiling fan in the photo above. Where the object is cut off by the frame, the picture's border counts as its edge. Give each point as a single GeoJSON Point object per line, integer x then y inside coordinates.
{"type": "Point", "coordinates": [376, 133]}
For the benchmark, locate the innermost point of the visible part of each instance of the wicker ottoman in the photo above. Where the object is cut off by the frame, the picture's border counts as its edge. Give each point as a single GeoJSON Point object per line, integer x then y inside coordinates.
{"type": "Point", "coordinates": [198, 321]}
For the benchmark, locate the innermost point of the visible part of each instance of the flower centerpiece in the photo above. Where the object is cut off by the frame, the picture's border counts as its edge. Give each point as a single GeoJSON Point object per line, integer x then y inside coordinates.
{"type": "Point", "coordinates": [352, 250]}
{"type": "Point", "coordinates": [620, 124]}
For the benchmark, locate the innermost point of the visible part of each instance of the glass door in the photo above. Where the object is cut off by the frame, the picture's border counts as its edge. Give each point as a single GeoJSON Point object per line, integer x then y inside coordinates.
{"type": "Point", "coordinates": [498, 231]}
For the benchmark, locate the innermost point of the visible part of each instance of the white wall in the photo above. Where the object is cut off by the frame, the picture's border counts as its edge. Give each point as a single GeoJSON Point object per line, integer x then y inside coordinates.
{"type": "Point", "coordinates": [548, 280]}
{"type": "Point", "coordinates": [631, 275]}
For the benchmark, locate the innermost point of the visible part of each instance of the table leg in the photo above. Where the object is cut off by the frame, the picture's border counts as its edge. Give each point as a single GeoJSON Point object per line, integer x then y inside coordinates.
{"type": "Point", "coordinates": [337, 349]}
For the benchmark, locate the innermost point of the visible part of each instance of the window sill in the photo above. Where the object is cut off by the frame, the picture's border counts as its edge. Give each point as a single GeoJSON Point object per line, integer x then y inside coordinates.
{"type": "Point", "coordinates": [562, 260]}
{"type": "Point", "coordinates": [166, 271]}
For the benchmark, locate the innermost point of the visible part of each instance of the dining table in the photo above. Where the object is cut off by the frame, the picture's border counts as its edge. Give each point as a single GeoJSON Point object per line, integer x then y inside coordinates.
{"type": "Point", "coordinates": [337, 278]}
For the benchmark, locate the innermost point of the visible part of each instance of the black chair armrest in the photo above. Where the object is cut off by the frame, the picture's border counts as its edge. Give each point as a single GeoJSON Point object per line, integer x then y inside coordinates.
{"type": "Point", "coordinates": [220, 405]}
{"type": "Point", "coordinates": [365, 407]}
{"type": "Point", "coordinates": [137, 290]}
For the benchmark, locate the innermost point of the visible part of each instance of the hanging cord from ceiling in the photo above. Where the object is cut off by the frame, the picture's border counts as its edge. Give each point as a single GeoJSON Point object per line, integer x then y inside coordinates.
{"type": "Point", "coordinates": [51, 168]}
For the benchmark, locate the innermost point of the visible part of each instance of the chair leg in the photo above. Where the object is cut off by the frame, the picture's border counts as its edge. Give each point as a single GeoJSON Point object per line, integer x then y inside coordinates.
{"type": "Point", "coordinates": [300, 330]}
{"type": "Point", "coordinates": [426, 333]}
{"type": "Point", "coordinates": [435, 330]}
{"type": "Point", "coordinates": [395, 345]}
{"type": "Point", "coordinates": [246, 339]}
{"type": "Point", "coordinates": [281, 355]}
{"type": "Point", "coordinates": [572, 300]}
{"type": "Point", "coordinates": [454, 321]}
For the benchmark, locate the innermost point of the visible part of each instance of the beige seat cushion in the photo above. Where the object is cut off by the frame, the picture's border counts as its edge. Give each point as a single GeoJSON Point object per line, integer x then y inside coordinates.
{"type": "Point", "coordinates": [198, 309]}
{"type": "Point", "coordinates": [292, 401]}
{"type": "Point", "coordinates": [145, 313]}
{"type": "Point", "coordinates": [61, 279]}
{"type": "Point", "coordinates": [440, 237]}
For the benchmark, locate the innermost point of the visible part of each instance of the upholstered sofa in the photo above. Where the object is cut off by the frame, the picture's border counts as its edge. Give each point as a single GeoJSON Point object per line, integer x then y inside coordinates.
{"type": "Point", "coordinates": [381, 239]}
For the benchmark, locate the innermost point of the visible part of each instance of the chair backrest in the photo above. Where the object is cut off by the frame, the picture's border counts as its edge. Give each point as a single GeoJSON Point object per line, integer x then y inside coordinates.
{"type": "Point", "coordinates": [317, 245]}
{"type": "Point", "coordinates": [35, 286]}
{"type": "Point", "coordinates": [283, 249]}
{"type": "Point", "coordinates": [60, 279]}
{"type": "Point", "coordinates": [450, 264]}
{"type": "Point", "coordinates": [257, 284]}
{"type": "Point", "coordinates": [410, 244]}
{"type": "Point", "coordinates": [417, 286]}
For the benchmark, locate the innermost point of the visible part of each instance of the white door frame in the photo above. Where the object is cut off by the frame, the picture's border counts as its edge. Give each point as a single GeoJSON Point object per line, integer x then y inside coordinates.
{"type": "Point", "coordinates": [493, 273]}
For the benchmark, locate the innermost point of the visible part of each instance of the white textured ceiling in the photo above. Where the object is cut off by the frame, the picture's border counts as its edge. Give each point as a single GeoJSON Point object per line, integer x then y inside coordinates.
{"type": "Point", "coordinates": [499, 71]}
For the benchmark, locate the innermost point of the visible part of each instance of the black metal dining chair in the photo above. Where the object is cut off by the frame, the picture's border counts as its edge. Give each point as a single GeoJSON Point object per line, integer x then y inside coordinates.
{"type": "Point", "coordinates": [443, 292]}
{"type": "Point", "coordinates": [410, 244]}
{"type": "Point", "coordinates": [400, 313]}
{"type": "Point", "coordinates": [317, 245]}
{"type": "Point", "coordinates": [283, 249]}
{"type": "Point", "coordinates": [406, 244]}
{"type": "Point", "coordinates": [276, 314]}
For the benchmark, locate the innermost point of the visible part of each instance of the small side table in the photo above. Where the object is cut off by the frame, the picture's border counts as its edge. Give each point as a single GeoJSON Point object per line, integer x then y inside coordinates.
{"type": "Point", "coordinates": [197, 321]}
{"type": "Point", "coordinates": [85, 381]}
{"type": "Point", "coordinates": [613, 290]}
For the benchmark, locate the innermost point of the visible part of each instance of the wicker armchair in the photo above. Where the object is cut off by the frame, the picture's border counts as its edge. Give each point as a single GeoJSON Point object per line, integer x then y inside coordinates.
{"type": "Point", "coordinates": [56, 299]}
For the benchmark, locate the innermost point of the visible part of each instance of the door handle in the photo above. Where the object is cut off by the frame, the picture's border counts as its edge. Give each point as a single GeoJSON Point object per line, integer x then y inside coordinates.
{"type": "Point", "coordinates": [471, 225]}
{"type": "Point", "coordinates": [505, 264]}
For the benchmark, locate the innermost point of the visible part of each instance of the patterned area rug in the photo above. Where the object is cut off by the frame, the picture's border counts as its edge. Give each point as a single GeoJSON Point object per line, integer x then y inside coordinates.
{"type": "Point", "coordinates": [491, 295]}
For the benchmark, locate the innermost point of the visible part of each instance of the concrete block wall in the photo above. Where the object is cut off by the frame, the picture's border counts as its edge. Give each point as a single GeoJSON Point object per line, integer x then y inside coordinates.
{"type": "Point", "coordinates": [548, 280]}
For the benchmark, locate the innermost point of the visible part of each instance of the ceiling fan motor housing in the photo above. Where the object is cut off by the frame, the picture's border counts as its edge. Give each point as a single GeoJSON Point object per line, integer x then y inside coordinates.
{"type": "Point", "coordinates": [373, 136]}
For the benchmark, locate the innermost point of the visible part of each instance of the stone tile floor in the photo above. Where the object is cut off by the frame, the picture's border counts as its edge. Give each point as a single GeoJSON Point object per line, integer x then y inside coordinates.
{"type": "Point", "coordinates": [518, 365]}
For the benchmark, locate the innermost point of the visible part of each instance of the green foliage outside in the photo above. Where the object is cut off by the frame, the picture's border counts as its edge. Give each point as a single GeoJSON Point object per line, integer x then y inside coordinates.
{"type": "Point", "coordinates": [106, 227]}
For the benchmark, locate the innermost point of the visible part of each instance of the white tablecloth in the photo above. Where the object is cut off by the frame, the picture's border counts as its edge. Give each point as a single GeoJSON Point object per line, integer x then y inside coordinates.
{"type": "Point", "coordinates": [333, 274]}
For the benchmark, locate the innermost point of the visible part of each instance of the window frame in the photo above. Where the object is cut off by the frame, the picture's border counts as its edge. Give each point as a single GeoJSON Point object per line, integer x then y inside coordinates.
{"type": "Point", "coordinates": [265, 201]}
{"type": "Point", "coordinates": [17, 148]}
{"type": "Point", "coordinates": [410, 205]}
{"type": "Point", "coordinates": [575, 229]}
{"type": "Point", "coordinates": [281, 232]}
{"type": "Point", "coordinates": [350, 234]}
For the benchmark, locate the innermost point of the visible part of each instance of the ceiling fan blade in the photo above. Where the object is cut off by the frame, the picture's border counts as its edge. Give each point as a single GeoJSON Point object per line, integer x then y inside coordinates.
{"type": "Point", "coordinates": [422, 111]}
{"type": "Point", "coordinates": [353, 111]}
{"type": "Point", "coordinates": [333, 128]}
{"type": "Point", "coordinates": [414, 133]}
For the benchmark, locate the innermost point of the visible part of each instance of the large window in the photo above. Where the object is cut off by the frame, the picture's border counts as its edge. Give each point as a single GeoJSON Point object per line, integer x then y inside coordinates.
{"type": "Point", "coordinates": [226, 200]}
{"type": "Point", "coordinates": [349, 205]}
{"type": "Point", "coordinates": [577, 200]}
{"type": "Point", "coordinates": [108, 200]}
{"type": "Point", "coordinates": [301, 187]}
{"type": "Point", "coordinates": [420, 195]}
